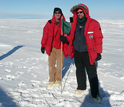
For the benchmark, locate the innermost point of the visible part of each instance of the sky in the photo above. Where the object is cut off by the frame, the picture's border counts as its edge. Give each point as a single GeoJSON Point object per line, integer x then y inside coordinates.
{"type": "Point", "coordinates": [43, 9]}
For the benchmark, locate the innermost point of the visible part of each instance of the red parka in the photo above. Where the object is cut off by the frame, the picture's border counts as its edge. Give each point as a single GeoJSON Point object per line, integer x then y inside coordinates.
{"type": "Point", "coordinates": [92, 33]}
{"type": "Point", "coordinates": [48, 39]}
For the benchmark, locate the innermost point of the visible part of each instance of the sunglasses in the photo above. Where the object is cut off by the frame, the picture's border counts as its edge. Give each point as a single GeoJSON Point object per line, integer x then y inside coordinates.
{"type": "Point", "coordinates": [57, 13]}
{"type": "Point", "coordinates": [80, 12]}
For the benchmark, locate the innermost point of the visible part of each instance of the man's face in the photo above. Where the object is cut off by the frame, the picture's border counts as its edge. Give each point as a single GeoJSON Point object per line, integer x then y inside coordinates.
{"type": "Point", "coordinates": [57, 15]}
{"type": "Point", "coordinates": [80, 13]}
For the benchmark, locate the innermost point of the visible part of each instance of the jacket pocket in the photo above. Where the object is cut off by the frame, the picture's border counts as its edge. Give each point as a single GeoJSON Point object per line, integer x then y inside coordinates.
{"type": "Point", "coordinates": [93, 54]}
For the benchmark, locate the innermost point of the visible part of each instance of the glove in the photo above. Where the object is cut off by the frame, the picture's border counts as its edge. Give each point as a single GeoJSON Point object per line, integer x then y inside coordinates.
{"type": "Point", "coordinates": [63, 38]}
{"type": "Point", "coordinates": [98, 57]}
{"type": "Point", "coordinates": [43, 49]}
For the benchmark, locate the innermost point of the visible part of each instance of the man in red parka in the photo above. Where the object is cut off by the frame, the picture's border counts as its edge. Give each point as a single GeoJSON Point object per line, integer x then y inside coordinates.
{"type": "Point", "coordinates": [52, 45]}
{"type": "Point", "coordinates": [85, 45]}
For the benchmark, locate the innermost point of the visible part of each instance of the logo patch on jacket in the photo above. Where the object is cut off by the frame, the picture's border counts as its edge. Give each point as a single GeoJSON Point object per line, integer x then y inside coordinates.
{"type": "Point", "coordinates": [91, 36]}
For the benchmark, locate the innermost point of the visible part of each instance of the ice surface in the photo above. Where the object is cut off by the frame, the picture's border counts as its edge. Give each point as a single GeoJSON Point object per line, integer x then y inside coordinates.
{"type": "Point", "coordinates": [24, 71]}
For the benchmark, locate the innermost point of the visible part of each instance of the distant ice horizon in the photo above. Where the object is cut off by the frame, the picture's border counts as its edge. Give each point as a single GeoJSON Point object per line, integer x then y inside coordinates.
{"type": "Point", "coordinates": [106, 16]}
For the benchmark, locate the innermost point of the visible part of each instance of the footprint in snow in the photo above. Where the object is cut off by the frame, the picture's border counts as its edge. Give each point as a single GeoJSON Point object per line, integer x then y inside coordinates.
{"type": "Point", "coordinates": [21, 84]}
{"type": "Point", "coordinates": [7, 70]}
{"type": "Point", "coordinates": [7, 78]}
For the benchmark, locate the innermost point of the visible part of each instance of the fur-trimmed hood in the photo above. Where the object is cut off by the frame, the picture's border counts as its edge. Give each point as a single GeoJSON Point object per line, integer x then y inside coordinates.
{"type": "Point", "coordinates": [80, 6]}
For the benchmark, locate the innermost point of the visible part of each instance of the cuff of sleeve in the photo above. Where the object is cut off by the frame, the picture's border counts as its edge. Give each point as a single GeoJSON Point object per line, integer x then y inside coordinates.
{"type": "Point", "coordinates": [43, 46]}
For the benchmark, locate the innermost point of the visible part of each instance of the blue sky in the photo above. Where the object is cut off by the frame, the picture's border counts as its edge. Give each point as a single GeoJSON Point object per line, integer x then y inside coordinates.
{"type": "Point", "coordinates": [100, 9]}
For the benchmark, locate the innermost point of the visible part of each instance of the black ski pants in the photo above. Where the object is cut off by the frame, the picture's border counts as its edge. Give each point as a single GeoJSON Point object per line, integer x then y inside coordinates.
{"type": "Point", "coordinates": [81, 62]}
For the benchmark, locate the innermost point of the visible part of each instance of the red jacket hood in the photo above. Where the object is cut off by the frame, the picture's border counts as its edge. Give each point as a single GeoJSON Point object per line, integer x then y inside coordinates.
{"type": "Point", "coordinates": [80, 6]}
{"type": "Point", "coordinates": [54, 20]}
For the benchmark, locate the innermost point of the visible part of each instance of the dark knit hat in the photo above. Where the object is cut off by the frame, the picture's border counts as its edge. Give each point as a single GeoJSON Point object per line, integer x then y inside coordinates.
{"type": "Point", "coordinates": [57, 9]}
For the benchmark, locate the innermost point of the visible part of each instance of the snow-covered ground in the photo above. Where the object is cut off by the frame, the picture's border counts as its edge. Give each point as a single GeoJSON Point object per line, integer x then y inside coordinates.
{"type": "Point", "coordinates": [24, 71]}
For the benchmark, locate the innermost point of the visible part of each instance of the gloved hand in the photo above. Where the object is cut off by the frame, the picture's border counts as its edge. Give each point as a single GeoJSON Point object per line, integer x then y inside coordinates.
{"type": "Point", "coordinates": [43, 49]}
{"type": "Point", "coordinates": [63, 38]}
{"type": "Point", "coordinates": [98, 57]}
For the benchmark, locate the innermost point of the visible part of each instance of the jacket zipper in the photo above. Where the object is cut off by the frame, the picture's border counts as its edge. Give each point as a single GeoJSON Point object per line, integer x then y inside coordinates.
{"type": "Point", "coordinates": [56, 33]}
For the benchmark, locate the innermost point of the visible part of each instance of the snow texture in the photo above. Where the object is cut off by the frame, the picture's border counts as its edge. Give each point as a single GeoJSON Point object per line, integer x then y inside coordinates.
{"type": "Point", "coordinates": [24, 72]}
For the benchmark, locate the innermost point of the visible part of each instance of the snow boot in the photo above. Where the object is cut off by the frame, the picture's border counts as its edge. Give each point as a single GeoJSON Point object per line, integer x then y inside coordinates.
{"type": "Point", "coordinates": [97, 100]}
{"type": "Point", "coordinates": [50, 85]}
{"type": "Point", "coordinates": [79, 92]}
{"type": "Point", "coordinates": [58, 83]}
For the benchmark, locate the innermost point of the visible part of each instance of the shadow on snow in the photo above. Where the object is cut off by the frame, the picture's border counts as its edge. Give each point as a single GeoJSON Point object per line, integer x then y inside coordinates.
{"type": "Point", "coordinates": [10, 52]}
{"type": "Point", "coordinates": [104, 98]}
{"type": "Point", "coordinates": [66, 65]}
{"type": "Point", "coordinates": [88, 98]}
{"type": "Point", "coordinates": [5, 100]}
